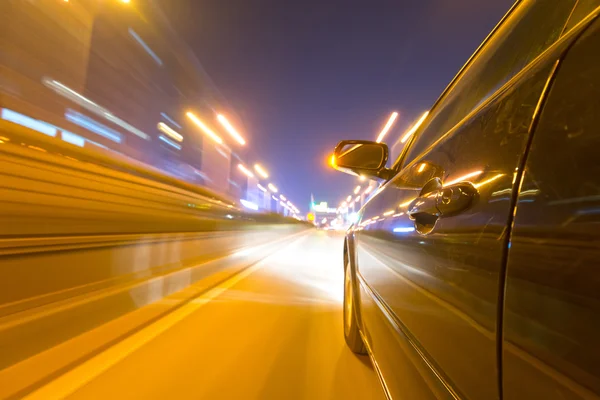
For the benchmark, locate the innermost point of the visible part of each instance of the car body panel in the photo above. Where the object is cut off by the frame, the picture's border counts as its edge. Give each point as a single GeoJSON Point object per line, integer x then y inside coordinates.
{"type": "Point", "coordinates": [441, 293]}
{"type": "Point", "coordinates": [551, 324]}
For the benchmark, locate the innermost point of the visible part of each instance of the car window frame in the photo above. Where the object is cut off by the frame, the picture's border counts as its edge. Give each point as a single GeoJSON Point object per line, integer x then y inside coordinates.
{"type": "Point", "coordinates": [400, 162]}
{"type": "Point", "coordinates": [396, 167]}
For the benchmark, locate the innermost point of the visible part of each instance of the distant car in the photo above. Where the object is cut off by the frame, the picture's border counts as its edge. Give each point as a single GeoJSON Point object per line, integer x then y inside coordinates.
{"type": "Point", "coordinates": [474, 272]}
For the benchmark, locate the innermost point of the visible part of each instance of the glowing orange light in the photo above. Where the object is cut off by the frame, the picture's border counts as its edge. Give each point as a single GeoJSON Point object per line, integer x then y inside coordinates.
{"type": "Point", "coordinates": [229, 128]}
{"type": "Point", "coordinates": [387, 126]}
{"type": "Point", "coordinates": [246, 171]}
{"type": "Point", "coordinates": [462, 178]}
{"type": "Point", "coordinates": [493, 178]}
{"type": "Point", "coordinates": [204, 128]}
{"type": "Point", "coordinates": [332, 160]}
{"type": "Point", "coordinates": [412, 130]}
{"type": "Point", "coordinates": [261, 171]}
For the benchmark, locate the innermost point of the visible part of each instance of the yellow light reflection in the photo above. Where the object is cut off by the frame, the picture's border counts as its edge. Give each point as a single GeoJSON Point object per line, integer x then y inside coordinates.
{"type": "Point", "coordinates": [387, 126]}
{"type": "Point", "coordinates": [204, 128]}
{"type": "Point", "coordinates": [230, 129]}
{"type": "Point", "coordinates": [414, 128]}
{"type": "Point", "coordinates": [362, 178]}
{"type": "Point", "coordinates": [406, 203]}
{"type": "Point", "coordinates": [463, 178]}
{"type": "Point", "coordinates": [356, 190]}
{"type": "Point", "coordinates": [421, 167]}
{"type": "Point", "coordinates": [493, 178]}
{"type": "Point", "coordinates": [272, 188]}
{"type": "Point", "coordinates": [349, 198]}
{"type": "Point", "coordinates": [390, 212]}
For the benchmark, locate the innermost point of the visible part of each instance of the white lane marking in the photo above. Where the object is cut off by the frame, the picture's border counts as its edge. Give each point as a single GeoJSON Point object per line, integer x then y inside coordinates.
{"type": "Point", "coordinates": [76, 378]}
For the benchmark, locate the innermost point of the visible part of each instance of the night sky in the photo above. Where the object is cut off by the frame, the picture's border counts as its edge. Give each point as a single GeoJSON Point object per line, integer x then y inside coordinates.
{"type": "Point", "coordinates": [303, 75]}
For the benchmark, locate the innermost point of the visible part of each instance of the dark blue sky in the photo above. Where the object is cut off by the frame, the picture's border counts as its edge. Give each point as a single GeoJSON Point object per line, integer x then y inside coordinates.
{"type": "Point", "coordinates": [305, 74]}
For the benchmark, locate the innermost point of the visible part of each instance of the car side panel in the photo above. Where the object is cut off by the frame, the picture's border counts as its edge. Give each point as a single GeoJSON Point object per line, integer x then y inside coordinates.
{"type": "Point", "coordinates": [551, 347]}
{"type": "Point", "coordinates": [442, 289]}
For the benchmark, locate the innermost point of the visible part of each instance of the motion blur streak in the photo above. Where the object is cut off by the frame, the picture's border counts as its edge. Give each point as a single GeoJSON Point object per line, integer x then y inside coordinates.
{"type": "Point", "coordinates": [288, 304]}
{"type": "Point", "coordinates": [91, 106]}
{"type": "Point", "coordinates": [387, 126]}
{"type": "Point", "coordinates": [229, 128]}
{"type": "Point", "coordinates": [414, 128]}
{"type": "Point", "coordinates": [204, 128]}
{"type": "Point", "coordinates": [169, 131]}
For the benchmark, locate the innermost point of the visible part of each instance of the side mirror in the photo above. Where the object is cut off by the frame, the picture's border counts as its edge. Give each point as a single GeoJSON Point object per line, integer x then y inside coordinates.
{"type": "Point", "coordinates": [361, 157]}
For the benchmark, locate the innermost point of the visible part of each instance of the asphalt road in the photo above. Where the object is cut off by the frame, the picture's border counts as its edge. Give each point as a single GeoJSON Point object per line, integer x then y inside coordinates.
{"type": "Point", "coordinates": [272, 331]}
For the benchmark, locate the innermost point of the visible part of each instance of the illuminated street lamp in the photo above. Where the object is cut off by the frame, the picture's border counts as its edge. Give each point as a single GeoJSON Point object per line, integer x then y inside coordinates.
{"type": "Point", "coordinates": [349, 199]}
{"type": "Point", "coordinates": [246, 171]}
{"type": "Point", "coordinates": [229, 128]}
{"type": "Point", "coordinates": [272, 188]}
{"type": "Point", "coordinates": [203, 127]}
{"type": "Point", "coordinates": [261, 187]}
{"type": "Point", "coordinates": [261, 171]}
{"type": "Point", "coordinates": [357, 189]}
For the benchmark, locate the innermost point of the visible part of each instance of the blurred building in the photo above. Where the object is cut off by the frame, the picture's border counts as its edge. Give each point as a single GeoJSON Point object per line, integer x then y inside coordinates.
{"type": "Point", "coordinates": [115, 79]}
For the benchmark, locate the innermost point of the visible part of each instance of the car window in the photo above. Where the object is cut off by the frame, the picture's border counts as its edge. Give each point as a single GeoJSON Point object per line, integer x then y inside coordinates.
{"type": "Point", "coordinates": [582, 10]}
{"type": "Point", "coordinates": [531, 28]}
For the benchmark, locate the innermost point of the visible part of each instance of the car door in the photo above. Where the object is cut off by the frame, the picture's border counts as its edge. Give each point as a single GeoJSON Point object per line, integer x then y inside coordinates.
{"type": "Point", "coordinates": [437, 278]}
{"type": "Point", "coordinates": [552, 303]}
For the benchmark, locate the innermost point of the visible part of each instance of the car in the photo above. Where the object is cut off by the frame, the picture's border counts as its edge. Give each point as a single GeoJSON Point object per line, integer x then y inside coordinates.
{"type": "Point", "coordinates": [473, 271]}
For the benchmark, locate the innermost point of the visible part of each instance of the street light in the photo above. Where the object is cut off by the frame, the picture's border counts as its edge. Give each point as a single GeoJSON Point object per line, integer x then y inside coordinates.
{"type": "Point", "coordinates": [348, 199]}
{"type": "Point", "coordinates": [203, 127]}
{"type": "Point", "coordinates": [229, 128]}
{"type": "Point", "coordinates": [261, 171]}
{"type": "Point", "coordinates": [272, 188]}
{"type": "Point", "coordinates": [387, 126]}
{"type": "Point", "coordinates": [166, 129]}
{"type": "Point", "coordinates": [246, 171]}
{"type": "Point", "coordinates": [261, 187]}
{"type": "Point", "coordinates": [357, 189]}
{"type": "Point", "coordinates": [282, 197]}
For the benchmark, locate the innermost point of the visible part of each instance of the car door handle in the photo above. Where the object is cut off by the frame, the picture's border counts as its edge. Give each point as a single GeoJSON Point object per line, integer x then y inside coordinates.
{"type": "Point", "coordinates": [442, 202]}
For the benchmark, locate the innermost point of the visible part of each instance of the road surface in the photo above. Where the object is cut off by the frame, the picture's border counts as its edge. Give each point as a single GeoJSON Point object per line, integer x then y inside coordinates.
{"type": "Point", "coordinates": [272, 331]}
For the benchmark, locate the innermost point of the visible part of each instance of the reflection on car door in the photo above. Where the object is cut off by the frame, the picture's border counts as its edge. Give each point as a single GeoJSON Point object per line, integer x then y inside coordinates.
{"type": "Point", "coordinates": [552, 306]}
{"type": "Point", "coordinates": [438, 278]}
